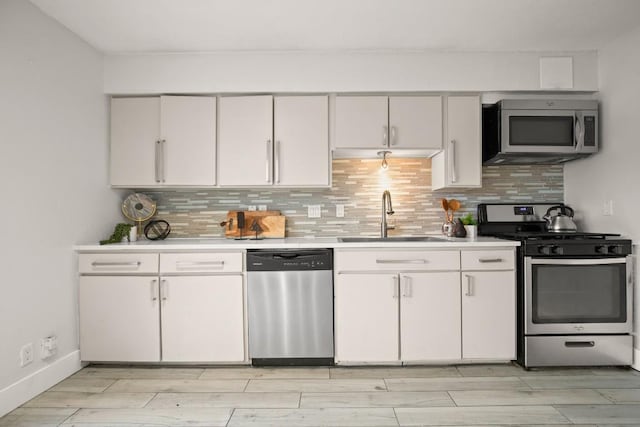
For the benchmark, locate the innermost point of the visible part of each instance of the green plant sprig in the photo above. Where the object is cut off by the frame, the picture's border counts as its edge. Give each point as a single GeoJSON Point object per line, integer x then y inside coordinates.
{"type": "Point", "coordinates": [468, 219]}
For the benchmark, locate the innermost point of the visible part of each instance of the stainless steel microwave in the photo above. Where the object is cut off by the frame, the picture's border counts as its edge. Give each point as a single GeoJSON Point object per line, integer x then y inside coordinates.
{"type": "Point", "coordinates": [528, 131]}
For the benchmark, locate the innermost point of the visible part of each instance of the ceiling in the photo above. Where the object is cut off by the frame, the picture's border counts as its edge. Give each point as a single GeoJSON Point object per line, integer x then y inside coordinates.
{"type": "Point", "coordinates": [139, 26]}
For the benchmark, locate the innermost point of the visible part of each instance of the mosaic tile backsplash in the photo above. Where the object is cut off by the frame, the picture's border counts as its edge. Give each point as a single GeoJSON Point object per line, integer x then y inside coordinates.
{"type": "Point", "coordinates": [358, 185]}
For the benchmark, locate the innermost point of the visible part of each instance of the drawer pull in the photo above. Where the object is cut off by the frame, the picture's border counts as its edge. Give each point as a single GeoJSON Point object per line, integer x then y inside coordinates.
{"type": "Point", "coordinates": [574, 344]}
{"type": "Point", "coordinates": [195, 264]}
{"type": "Point", "coordinates": [401, 261]}
{"type": "Point", "coordinates": [115, 264]}
{"type": "Point", "coordinates": [486, 260]}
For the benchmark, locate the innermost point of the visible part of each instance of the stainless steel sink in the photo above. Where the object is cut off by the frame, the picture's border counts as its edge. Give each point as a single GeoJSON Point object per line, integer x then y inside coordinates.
{"type": "Point", "coordinates": [391, 239]}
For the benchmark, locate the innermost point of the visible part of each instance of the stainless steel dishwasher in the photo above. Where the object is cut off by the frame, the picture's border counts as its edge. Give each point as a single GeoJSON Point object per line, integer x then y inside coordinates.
{"type": "Point", "coordinates": [290, 304]}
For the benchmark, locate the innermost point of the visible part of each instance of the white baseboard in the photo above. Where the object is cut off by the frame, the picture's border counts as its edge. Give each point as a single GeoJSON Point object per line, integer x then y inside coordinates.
{"type": "Point", "coordinates": [636, 359]}
{"type": "Point", "coordinates": [30, 386]}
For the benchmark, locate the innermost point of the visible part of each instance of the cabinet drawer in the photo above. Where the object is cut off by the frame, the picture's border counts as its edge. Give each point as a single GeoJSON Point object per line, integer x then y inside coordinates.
{"type": "Point", "coordinates": [118, 263]}
{"type": "Point", "coordinates": [218, 262]}
{"type": "Point", "coordinates": [488, 260]}
{"type": "Point", "coordinates": [400, 260]}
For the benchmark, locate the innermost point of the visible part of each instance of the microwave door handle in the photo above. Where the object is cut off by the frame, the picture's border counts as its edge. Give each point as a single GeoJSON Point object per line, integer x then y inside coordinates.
{"type": "Point", "coordinates": [579, 130]}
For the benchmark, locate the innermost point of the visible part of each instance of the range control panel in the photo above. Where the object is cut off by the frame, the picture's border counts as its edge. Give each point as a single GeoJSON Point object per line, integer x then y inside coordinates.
{"type": "Point", "coordinates": [578, 248]}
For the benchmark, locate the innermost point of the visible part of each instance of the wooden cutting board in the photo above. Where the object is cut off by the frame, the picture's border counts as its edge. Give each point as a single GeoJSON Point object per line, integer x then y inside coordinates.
{"type": "Point", "coordinates": [272, 224]}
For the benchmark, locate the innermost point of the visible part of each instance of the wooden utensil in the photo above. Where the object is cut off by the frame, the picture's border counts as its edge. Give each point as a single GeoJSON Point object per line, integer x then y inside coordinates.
{"type": "Point", "coordinates": [454, 205]}
{"type": "Point", "coordinates": [445, 205]}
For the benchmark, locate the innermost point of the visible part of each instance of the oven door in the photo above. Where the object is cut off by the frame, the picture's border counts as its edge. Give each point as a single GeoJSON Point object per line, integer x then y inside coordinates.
{"type": "Point", "coordinates": [578, 296]}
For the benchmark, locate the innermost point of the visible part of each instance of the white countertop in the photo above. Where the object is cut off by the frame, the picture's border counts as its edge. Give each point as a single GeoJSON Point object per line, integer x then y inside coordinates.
{"type": "Point", "coordinates": [197, 244]}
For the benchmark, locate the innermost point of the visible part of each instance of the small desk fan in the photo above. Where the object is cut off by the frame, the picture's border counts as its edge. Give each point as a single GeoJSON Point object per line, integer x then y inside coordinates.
{"type": "Point", "coordinates": [138, 207]}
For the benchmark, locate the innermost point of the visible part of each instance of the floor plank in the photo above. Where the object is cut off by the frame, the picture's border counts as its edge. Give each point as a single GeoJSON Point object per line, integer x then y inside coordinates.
{"type": "Point", "coordinates": [264, 373]}
{"type": "Point", "coordinates": [582, 381]}
{"type": "Point", "coordinates": [36, 417]}
{"type": "Point", "coordinates": [602, 414]}
{"type": "Point", "coordinates": [526, 397]}
{"type": "Point", "coordinates": [150, 417]}
{"type": "Point", "coordinates": [395, 372]}
{"type": "Point", "coordinates": [342, 417]}
{"type": "Point", "coordinates": [390, 399]}
{"type": "Point", "coordinates": [225, 400]}
{"type": "Point", "coordinates": [492, 415]}
{"type": "Point", "coordinates": [463, 383]}
{"type": "Point", "coordinates": [631, 395]}
{"type": "Point", "coordinates": [176, 386]}
{"type": "Point", "coordinates": [511, 370]}
{"type": "Point", "coordinates": [74, 399]}
{"type": "Point", "coordinates": [330, 385]}
{"type": "Point", "coordinates": [116, 372]}
{"type": "Point", "coordinates": [89, 385]}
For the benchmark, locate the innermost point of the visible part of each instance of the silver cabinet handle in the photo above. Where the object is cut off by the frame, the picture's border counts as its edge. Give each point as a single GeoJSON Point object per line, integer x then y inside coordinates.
{"type": "Point", "coordinates": [154, 290]}
{"type": "Point", "coordinates": [395, 286]}
{"type": "Point", "coordinates": [469, 292]}
{"type": "Point", "coordinates": [164, 290]}
{"type": "Point", "coordinates": [195, 264]}
{"type": "Point", "coordinates": [157, 165]}
{"type": "Point", "coordinates": [488, 260]}
{"type": "Point", "coordinates": [162, 158]}
{"type": "Point", "coordinates": [401, 261]}
{"type": "Point", "coordinates": [407, 288]}
{"type": "Point", "coordinates": [115, 264]}
{"type": "Point", "coordinates": [454, 174]}
{"type": "Point", "coordinates": [385, 135]}
{"type": "Point", "coordinates": [394, 139]}
{"type": "Point", "coordinates": [276, 157]}
{"type": "Point", "coordinates": [269, 157]}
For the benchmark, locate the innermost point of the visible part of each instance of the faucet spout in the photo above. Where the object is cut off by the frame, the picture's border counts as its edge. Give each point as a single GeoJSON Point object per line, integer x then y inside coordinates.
{"type": "Point", "coordinates": [387, 209]}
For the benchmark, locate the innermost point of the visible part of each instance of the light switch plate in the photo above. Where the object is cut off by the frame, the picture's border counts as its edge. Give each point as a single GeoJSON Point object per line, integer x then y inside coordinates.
{"type": "Point", "coordinates": [339, 211]}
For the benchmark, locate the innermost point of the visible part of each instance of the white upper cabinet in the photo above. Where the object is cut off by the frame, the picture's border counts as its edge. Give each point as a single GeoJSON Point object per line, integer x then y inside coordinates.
{"type": "Point", "coordinates": [245, 140]}
{"type": "Point", "coordinates": [163, 141]}
{"type": "Point", "coordinates": [460, 162]}
{"type": "Point", "coordinates": [274, 141]}
{"type": "Point", "coordinates": [388, 123]}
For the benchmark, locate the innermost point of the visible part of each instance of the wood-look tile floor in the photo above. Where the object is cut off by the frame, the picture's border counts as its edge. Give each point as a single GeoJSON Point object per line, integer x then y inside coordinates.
{"type": "Point", "coordinates": [465, 395]}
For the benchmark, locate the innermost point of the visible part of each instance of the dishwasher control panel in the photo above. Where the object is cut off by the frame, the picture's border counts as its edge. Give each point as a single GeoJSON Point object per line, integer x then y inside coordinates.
{"type": "Point", "coordinates": [289, 259]}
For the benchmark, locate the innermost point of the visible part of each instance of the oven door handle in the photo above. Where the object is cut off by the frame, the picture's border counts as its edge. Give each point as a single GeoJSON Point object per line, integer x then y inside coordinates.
{"type": "Point", "coordinates": [579, 344]}
{"type": "Point", "coordinates": [573, 261]}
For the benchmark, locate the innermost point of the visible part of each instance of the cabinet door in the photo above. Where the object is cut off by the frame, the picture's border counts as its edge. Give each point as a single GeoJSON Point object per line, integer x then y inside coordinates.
{"type": "Point", "coordinates": [135, 128]}
{"type": "Point", "coordinates": [202, 319]}
{"type": "Point", "coordinates": [489, 315]}
{"type": "Point", "coordinates": [362, 122]}
{"type": "Point", "coordinates": [430, 316]}
{"type": "Point", "coordinates": [415, 122]}
{"type": "Point", "coordinates": [245, 141]}
{"type": "Point", "coordinates": [119, 319]}
{"type": "Point", "coordinates": [366, 317]}
{"type": "Point", "coordinates": [460, 162]}
{"type": "Point", "coordinates": [188, 135]}
{"type": "Point", "coordinates": [301, 134]}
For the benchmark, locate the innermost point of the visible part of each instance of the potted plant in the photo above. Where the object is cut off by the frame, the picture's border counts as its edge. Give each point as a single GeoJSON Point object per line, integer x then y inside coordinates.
{"type": "Point", "coordinates": [471, 225]}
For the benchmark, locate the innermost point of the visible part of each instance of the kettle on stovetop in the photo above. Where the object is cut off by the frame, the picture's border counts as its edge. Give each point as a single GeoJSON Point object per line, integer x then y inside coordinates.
{"type": "Point", "coordinates": [560, 219]}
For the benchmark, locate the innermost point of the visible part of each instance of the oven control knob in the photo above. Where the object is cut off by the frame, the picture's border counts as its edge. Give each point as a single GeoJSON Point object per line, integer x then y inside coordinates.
{"type": "Point", "coordinates": [614, 250]}
{"type": "Point", "coordinates": [557, 250]}
{"type": "Point", "coordinates": [545, 250]}
{"type": "Point", "coordinates": [602, 250]}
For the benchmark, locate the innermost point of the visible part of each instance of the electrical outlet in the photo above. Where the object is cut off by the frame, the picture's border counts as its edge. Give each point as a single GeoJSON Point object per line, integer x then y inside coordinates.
{"type": "Point", "coordinates": [48, 347]}
{"type": "Point", "coordinates": [262, 207]}
{"type": "Point", "coordinates": [313, 211]}
{"type": "Point", "coordinates": [251, 207]}
{"type": "Point", "coordinates": [607, 208]}
{"type": "Point", "coordinates": [26, 354]}
{"type": "Point", "coordinates": [339, 211]}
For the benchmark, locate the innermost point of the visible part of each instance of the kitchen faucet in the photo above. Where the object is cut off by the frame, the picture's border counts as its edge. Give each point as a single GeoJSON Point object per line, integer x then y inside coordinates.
{"type": "Point", "coordinates": [387, 209]}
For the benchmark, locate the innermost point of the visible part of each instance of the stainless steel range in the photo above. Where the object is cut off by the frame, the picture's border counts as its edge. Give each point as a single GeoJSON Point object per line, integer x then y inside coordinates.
{"type": "Point", "coordinates": [575, 290]}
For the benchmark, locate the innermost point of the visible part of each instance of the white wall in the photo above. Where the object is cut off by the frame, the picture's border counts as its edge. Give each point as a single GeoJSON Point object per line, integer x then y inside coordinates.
{"type": "Point", "coordinates": [336, 72]}
{"type": "Point", "coordinates": [614, 173]}
{"type": "Point", "coordinates": [54, 189]}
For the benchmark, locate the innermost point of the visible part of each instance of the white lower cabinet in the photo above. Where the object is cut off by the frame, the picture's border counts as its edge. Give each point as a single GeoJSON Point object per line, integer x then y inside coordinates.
{"type": "Point", "coordinates": [180, 308]}
{"type": "Point", "coordinates": [424, 306]}
{"type": "Point", "coordinates": [202, 318]}
{"type": "Point", "coordinates": [489, 315]}
{"type": "Point", "coordinates": [366, 317]}
{"type": "Point", "coordinates": [430, 316]}
{"type": "Point", "coordinates": [119, 319]}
